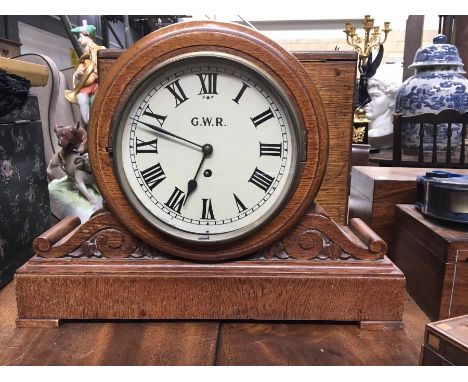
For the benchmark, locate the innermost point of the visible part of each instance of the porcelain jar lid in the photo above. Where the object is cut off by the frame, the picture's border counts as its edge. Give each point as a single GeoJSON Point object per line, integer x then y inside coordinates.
{"type": "Point", "coordinates": [440, 53]}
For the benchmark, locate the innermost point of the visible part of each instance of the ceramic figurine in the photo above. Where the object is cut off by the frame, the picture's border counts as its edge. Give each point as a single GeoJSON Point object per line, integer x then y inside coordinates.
{"type": "Point", "coordinates": [72, 140]}
{"type": "Point", "coordinates": [438, 84]}
{"type": "Point", "coordinates": [76, 193]}
{"type": "Point", "coordinates": [85, 79]}
{"type": "Point", "coordinates": [380, 113]}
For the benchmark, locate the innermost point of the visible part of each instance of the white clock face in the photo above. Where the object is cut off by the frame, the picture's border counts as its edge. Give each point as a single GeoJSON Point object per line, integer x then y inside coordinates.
{"type": "Point", "coordinates": [206, 150]}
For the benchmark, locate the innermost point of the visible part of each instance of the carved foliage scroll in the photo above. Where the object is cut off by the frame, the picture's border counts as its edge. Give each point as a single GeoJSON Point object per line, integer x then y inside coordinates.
{"type": "Point", "coordinates": [319, 237]}
{"type": "Point", "coordinates": [101, 232]}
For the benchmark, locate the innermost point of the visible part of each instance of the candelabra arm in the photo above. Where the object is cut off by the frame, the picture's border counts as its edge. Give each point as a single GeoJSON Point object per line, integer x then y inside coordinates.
{"type": "Point", "coordinates": [367, 38]}
{"type": "Point", "coordinates": [348, 40]}
{"type": "Point", "coordinates": [374, 41]}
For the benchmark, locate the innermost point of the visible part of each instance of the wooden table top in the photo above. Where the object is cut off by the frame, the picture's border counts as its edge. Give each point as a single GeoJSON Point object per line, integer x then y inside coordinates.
{"type": "Point", "coordinates": [397, 173]}
{"type": "Point", "coordinates": [207, 342]}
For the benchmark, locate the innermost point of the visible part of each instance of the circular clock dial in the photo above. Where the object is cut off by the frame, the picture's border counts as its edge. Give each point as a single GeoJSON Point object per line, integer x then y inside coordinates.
{"type": "Point", "coordinates": [207, 148]}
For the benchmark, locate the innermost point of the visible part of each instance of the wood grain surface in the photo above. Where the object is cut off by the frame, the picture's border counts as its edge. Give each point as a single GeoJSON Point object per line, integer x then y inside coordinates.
{"type": "Point", "coordinates": [315, 236]}
{"type": "Point", "coordinates": [321, 343]}
{"type": "Point", "coordinates": [300, 344]}
{"type": "Point", "coordinates": [448, 241]}
{"type": "Point", "coordinates": [222, 38]}
{"type": "Point", "coordinates": [430, 358]}
{"type": "Point", "coordinates": [433, 256]}
{"type": "Point", "coordinates": [206, 342]}
{"type": "Point", "coordinates": [334, 75]}
{"type": "Point", "coordinates": [319, 271]}
{"type": "Point", "coordinates": [448, 339]}
{"type": "Point", "coordinates": [104, 343]}
{"type": "Point", "coordinates": [376, 190]}
{"type": "Point", "coordinates": [454, 300]}
{"type": "Point", "coordinates": [173, 289]}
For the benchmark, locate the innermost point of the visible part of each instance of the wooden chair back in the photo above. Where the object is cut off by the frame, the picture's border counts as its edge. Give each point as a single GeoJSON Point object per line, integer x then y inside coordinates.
{"type": "Point", "coordinates": [447, 117]}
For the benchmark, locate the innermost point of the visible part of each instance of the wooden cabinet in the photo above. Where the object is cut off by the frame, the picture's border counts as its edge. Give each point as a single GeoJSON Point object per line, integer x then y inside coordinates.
{"type": "Point", "coordinates": [434, 259]}
{"type": "Point", "coordinates": [446, 343]}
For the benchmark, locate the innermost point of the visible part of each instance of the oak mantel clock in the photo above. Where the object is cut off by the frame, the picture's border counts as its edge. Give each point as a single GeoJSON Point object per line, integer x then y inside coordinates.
{"type": "Point", "coordinates": [208, 142]}
{"type": "Point", "coordinates": [210, 135]}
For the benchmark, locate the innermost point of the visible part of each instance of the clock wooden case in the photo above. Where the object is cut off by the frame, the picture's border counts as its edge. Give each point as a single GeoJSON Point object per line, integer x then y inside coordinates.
{"type": "Point", "coordinates": [219, 40]}
{"type": "Point", "coordinates": [132, 261]}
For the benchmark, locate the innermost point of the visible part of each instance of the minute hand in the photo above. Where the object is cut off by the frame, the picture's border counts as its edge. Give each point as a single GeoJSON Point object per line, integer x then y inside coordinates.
{"type": "Point", "coordinates": [162, 131]}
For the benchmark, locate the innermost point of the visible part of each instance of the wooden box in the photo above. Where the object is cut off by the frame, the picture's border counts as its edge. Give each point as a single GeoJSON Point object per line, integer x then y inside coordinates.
{"type": "Point", "coordinates": [446, 343]}
{"type": "Point", "coordinates": [433, 257]}
{"type": "Point", "coordinates": [334, 75]}
{"type": "Point", "coordinates": [376, 190]}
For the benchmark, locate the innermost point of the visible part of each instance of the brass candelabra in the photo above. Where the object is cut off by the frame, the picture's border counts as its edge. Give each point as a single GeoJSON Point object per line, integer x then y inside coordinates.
{"type": "Point", "coordinates": [372, 38]}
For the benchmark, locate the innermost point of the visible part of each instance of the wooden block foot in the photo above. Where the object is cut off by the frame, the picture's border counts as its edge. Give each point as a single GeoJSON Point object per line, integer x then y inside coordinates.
{"type": "Point", "coordinates": [37, 323]}
{"type": "Point", "coordinates": [381, 325]}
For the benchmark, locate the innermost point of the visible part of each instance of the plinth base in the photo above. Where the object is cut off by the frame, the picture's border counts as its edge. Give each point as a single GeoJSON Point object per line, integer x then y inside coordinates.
{"type": "Point", "coordinates": [364, 291]}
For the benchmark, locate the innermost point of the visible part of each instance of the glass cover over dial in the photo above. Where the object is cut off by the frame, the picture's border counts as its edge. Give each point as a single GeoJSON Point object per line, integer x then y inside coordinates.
{"type": "Point", "coordinates": [207, 148]}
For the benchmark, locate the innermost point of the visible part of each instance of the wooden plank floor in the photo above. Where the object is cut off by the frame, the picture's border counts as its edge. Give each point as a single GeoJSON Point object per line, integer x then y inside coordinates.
{"type": "Point", "coordinates": [206, 342]}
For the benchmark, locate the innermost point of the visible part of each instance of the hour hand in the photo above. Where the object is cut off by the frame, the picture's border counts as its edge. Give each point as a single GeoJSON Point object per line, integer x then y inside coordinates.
{"type": "Point", "coordinates": [192, 183]}
{"type": "Point", "coordinates": [165, 132]}
{"type": "Point", "coordinates": [191, 186]}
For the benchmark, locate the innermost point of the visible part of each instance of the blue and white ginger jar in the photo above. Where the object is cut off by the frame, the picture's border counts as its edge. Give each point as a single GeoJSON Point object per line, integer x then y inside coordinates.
{"type": "Point", "coordinates": [438, 84]}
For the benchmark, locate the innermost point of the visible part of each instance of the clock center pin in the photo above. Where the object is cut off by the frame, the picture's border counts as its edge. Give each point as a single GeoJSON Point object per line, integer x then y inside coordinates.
{"type": "Point", "coordinates": [207, 149]}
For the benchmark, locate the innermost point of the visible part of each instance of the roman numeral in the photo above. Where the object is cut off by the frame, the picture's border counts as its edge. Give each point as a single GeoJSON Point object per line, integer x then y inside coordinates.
{"type": "Point", "coordinates": [241, 92]}
{"type": "Point", "coordinates": [262, 117]}
{"type": "Point", "coordinates": [176, 200]}
{"type": "Point", "coordinates": [270, 149]}
{"type": "Point", "coordinates": [147, 147]}
{"type": "Point", "coordinates": [207, 212]}
{"type": "Point", "coordinates": [261, 180]}
{"type": "Point", "coordinates": [208, 83]}
{"type": "Point", "coordinates": [240, 206]}
{"type": "Point", "coordinates": [159, 118]}
{"type": "Point", "coordinates": [153, 176]}
{"type": "Point", "coordinates": [177, 92]}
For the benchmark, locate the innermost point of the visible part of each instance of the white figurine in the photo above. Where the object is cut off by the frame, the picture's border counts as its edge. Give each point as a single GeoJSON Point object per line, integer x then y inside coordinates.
{"type": "Point", "coordinates": [380, 113]}
{"type": "Point", "coordinates": [76, 193]}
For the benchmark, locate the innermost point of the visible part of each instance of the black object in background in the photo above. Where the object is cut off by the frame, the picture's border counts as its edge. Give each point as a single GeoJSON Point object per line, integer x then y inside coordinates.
{"type": "Point", "coordinates": [14, 92]}
{"type": "Point", "coordinates": [24, 196]}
